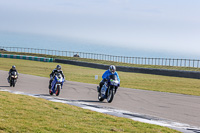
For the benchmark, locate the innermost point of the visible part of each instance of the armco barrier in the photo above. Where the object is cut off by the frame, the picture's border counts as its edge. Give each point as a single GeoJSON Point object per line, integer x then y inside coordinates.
{"type": "Point", "coordinates": [195, 63]}
{"type": "Point", "coordinates": [164, 72]}
{"type": "Point", "coordinates": [34, 58]}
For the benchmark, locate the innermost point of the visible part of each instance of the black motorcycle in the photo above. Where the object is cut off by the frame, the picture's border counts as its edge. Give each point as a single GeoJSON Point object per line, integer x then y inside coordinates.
{"type": "Point", "coordinates": [13, 79]}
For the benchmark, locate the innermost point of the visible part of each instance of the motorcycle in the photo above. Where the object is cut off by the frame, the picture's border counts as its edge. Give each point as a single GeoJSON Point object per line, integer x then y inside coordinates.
{"type": "Point", "coordinates": [57, 84]}
{"type": "Point", "coordinates": [108, 89]}
{"type": "Point", "coordinates": [13, 79]}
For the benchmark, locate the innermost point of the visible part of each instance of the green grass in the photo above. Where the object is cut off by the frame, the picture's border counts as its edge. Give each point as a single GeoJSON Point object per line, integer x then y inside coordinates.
{"type": "Point", "coordinates": [107, 62]}
{"type": "Point", "coordinates": [19, 113]}
{"type": "Point", "coordinates": [86, 75]}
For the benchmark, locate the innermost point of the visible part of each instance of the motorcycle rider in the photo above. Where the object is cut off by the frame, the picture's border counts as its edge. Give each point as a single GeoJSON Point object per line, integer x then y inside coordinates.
{"type": "Point", "coordinates": [13, 69]}
{"type": "Point", "coordinates": [106, 76]}
{"type": "Point", "coordinates": [54, 72]}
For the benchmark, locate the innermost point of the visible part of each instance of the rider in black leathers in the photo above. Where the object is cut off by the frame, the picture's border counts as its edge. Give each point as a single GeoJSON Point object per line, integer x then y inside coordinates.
{"type": "Point", "coordinates": [13, 69]}
{"type": "Point", "coordinates": [54, 72]}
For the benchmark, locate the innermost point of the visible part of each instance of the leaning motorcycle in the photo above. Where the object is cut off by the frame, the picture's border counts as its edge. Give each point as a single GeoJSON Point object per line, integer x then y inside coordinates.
{"type": "Point", "coordinates": [13, 79]}
{"type": "Point", "coordinates": [57, 84]}
{"type": "Point", "coordinates": [108, 89]}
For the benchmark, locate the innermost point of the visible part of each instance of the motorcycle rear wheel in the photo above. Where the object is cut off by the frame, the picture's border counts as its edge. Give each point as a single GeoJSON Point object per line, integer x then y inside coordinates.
{"type": "Point", "coordinates": [50, 92]}
{"type": "Point", "coordinates": [58, 90]}
{"type": "Point", "coordinates": [99, 97]}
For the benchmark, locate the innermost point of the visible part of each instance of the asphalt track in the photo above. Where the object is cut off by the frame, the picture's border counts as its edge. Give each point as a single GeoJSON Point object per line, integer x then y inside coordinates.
{"type": "Point", "coordinates": [175, 107]}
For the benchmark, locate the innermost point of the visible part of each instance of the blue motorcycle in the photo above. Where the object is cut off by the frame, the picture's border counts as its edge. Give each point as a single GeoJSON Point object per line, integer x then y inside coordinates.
{"type": "Point", "coordinates": [56, 84]}
{"type": "Point", "coordinates": [108, 89]}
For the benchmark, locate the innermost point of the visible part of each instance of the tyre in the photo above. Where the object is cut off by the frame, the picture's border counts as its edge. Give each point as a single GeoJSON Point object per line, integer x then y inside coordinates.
{"type": "Point", "coordinates": [13, 84]}
{"type": "Point", "coordinates": [99, 97]}
{"type": "Point", "coordinates": [58, 90]}
{"type": "Point", "coordinates": [50, 92]}
{"type": "Point", "coordinates": [110, 95]}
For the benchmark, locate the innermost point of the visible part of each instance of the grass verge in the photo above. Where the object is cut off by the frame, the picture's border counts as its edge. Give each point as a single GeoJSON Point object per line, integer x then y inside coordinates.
{"type": "Point", "coordinates": [86, 75]}
{"type": "Point", "coordinates": [19, 113]}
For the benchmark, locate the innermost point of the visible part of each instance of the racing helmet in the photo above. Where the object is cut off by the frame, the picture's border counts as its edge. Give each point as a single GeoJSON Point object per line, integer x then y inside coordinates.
{"type": "Point", "coordinates": [112, 69]}
{"type": "Point", "coordinates": [13, 67]}
{"type": "Point", "coordinates": [58, 67]}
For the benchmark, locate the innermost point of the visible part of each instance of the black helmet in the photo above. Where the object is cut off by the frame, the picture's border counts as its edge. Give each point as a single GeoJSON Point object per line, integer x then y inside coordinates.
{"type": "Point", "coordinates": [58, 67]}
{"type": "Point", "coordinates": [112, 69]}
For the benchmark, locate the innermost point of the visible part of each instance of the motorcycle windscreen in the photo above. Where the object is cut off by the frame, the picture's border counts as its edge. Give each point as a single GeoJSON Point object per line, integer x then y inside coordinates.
{"type": "Point", "coordinates": [14, 73]}
{"type": "Point", "coordinates": [114, 77]}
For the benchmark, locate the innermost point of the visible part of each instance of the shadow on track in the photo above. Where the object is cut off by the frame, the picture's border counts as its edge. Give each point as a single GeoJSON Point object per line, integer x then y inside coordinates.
{"type": "Point", "coordinates": [90, 101]}
{"type": "Point", "coordinates": [4, 86]}
{"type": "Point", "coordinates": [44, 94]}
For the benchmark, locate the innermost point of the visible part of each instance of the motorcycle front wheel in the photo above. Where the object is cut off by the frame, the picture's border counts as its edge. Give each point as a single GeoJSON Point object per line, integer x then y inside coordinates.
{"type": "Point", "coordinates": [11, 82]}
{"type": "Point", "coordinates": [14, 82]}
{"type": "Point", "coordinates": [58, 90]}
{"type": "Point", "coordinates": [110, 95]}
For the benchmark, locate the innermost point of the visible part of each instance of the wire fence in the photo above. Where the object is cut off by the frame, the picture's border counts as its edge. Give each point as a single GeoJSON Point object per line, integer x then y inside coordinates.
{"type": "Point", "coordinates": [105, 57]}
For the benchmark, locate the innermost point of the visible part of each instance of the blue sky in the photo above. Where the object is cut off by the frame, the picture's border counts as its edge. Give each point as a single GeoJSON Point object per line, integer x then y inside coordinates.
{"type": "Point", "coordinates": [158, 25]}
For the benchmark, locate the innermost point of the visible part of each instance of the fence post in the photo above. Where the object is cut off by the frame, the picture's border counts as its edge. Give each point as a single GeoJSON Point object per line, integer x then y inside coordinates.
{"type": "Point", "coordinates": [185, 62]}
{"type": "Point", "coordinates": [156, 61]}
{"type": "Point", "coordinates": [135, 60]}
{"type": "Point", "coordinates": [142, 60]}
{"type": "Point", "coordinates": [166, 62]}
{"type": "Point", "coordinates": [181, 63]}
{"type": "Point", "coordinates": [193, 62]}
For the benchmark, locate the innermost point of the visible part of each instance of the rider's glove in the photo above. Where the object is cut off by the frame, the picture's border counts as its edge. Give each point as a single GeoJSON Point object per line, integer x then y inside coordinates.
{"type": "Point", "coordinates": [104, 80]}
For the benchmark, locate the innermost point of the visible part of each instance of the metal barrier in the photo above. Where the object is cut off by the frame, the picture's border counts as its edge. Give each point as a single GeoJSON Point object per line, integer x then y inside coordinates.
{"type": "Point", "coordinates": [34, 58]}
{"type": "Point", "coordinates": [122, 59]}
{"type": "Point", "coordinates": [164, 72]}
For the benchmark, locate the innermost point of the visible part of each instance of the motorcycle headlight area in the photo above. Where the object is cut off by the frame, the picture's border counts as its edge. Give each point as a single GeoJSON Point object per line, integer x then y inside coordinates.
{"type": "Point", "coordinates": [114, 83]}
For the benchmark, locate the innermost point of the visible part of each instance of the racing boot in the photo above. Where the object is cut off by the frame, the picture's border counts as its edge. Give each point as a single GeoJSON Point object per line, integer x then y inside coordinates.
{"type": "Point", "coordinates": [8, 79]}
{"type": "Point", "coordinates": [98, 89]}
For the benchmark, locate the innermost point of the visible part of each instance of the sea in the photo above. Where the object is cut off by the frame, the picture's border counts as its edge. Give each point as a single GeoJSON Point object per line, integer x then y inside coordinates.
{"type": "Point", "coordinates": [14, 39]}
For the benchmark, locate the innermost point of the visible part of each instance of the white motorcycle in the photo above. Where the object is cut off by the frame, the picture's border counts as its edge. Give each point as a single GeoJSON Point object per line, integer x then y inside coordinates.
{"type": "Point", "coordinates": [57, 84]}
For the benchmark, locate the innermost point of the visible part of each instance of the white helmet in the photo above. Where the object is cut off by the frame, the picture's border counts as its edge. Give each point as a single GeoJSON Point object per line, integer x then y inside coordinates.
{"type": "Point", "coordinates": [112, 69]}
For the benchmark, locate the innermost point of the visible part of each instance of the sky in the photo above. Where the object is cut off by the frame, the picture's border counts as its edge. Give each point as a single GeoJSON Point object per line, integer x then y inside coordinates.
{"type": "Point", "coordinates": [171, 26]}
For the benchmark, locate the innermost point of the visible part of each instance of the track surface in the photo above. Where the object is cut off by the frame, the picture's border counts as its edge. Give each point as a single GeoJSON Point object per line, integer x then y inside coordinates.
{"type": "Point", "coordinates": [175, 107]}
